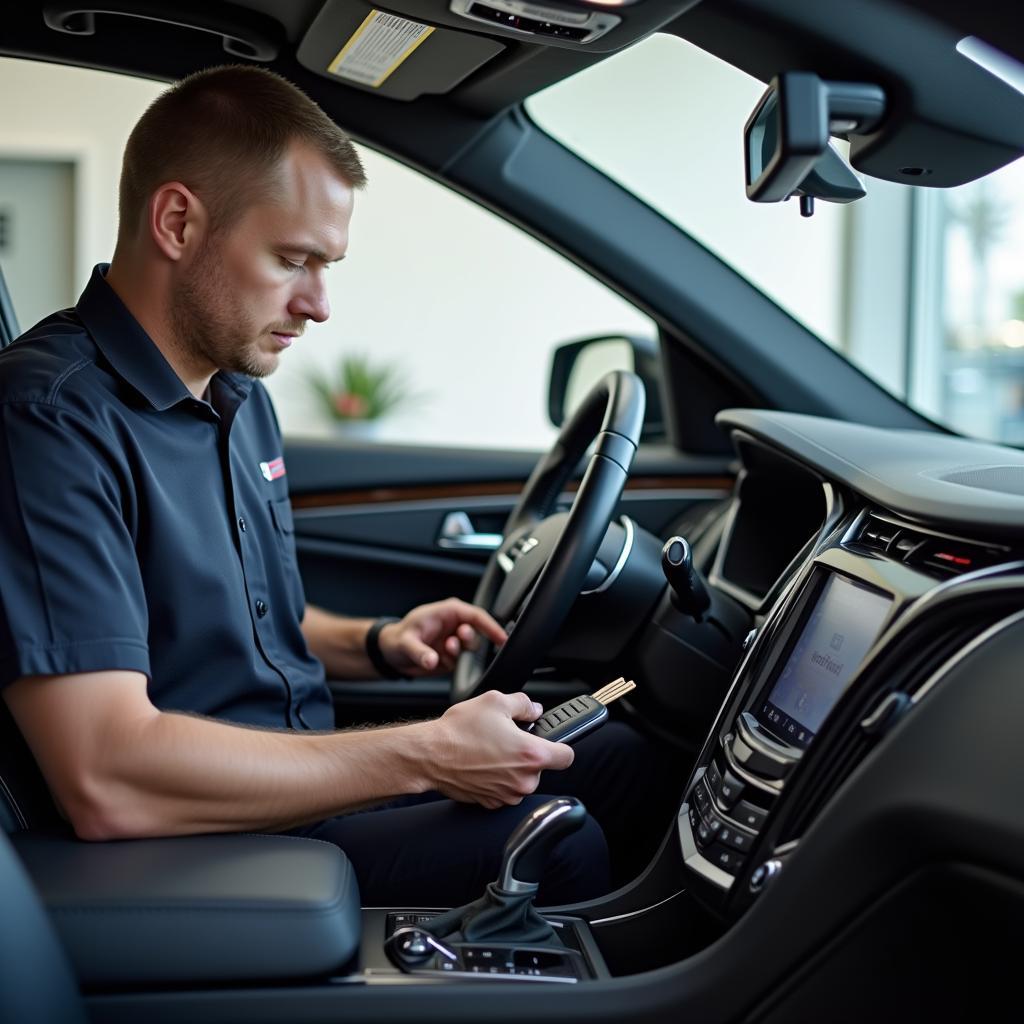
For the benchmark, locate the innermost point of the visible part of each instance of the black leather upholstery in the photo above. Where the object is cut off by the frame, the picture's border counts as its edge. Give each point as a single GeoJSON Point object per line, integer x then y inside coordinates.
{"type": "Point", "coordinates": [35, 979]}
{"type": "Point", "coordinates": [195, 909]}
{"type": "Point", "coordinates": [25, 800]}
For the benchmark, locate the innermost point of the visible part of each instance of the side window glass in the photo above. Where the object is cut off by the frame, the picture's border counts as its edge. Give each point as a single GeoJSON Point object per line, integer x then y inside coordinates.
{"type": "Point", "coordinates": [451, 314]}
{"type": "Point", "coordinates": [444, 317]}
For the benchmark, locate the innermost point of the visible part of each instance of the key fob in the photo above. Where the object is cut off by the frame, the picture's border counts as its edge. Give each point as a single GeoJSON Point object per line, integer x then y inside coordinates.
{"type": "Point", "coordinates": [571, 720]}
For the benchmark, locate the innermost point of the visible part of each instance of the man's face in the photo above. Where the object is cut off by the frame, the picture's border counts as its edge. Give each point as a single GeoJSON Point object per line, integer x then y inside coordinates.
{"type": "Point", "coordinates": [255, 284]}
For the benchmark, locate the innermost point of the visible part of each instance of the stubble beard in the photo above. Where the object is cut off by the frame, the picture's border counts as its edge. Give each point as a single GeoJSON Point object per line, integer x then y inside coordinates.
{"type": "Point", "coordinates": [211, 326]}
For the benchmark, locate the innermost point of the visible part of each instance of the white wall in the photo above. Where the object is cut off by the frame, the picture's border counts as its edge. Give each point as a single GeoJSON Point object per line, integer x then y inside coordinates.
{"type": "Point", "coordinates": [468, 304]}
{"type": "Point", "coordinates": [51, 111]}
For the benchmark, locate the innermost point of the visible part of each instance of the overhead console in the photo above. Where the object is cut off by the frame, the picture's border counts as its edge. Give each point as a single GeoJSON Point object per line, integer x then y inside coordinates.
{"type": "Point", "coordinates": [410, 48]}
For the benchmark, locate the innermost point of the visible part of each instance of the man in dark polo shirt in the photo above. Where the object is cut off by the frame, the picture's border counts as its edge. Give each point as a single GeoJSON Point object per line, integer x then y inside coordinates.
{"type": "Point", "coordinates": [155, 646]}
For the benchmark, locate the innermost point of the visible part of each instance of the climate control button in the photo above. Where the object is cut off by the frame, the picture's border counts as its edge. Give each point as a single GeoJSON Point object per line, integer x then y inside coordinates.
{"type": "Point", "coordinates": [725, 858]}
{"type": "Point", "coordinates": [730, 790]}
{"type": "Point", "coordinates": [750, 815]}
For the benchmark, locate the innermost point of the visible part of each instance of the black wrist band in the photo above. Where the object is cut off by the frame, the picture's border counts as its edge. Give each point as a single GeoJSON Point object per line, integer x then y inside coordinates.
{"type": "Point", "coordinates": [384, 669]}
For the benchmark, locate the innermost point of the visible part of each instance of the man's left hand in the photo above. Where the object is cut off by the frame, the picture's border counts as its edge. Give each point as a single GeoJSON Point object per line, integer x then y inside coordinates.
{"type": "Point", "coordinates": [429, 640]}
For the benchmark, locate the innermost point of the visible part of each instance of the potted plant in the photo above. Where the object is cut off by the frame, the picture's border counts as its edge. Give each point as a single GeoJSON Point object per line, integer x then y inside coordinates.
{"type": "Point", "coordinates": [360, 392]}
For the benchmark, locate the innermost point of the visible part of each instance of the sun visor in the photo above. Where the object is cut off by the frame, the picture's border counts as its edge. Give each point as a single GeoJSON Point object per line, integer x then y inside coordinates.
{"type": "Point", "coordinates": [390, 55]}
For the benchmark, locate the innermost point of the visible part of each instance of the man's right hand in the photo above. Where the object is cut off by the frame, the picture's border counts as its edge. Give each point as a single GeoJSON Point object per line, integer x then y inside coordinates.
{"type": "Point", "coordinates": [484, 757]}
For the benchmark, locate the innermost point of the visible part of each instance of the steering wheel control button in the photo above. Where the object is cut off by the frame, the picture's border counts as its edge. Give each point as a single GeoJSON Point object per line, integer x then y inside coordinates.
{"type": "Point", "coordinates": [763, 874]}
{"type": "Point", "coordinates": [730, 790]}
{"type": "Point", "coordinates": [750, 815]}
{"type": "Point", "coordinates": [261, 609]}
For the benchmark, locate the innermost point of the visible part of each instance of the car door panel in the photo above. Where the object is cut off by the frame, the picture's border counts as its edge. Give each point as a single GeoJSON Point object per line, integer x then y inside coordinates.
{"type": "Point", "coordinates": [368, 519]}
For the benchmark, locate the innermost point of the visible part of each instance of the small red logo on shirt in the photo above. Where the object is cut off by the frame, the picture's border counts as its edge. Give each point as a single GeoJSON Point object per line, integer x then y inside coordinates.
{"type": "Point", "coordinates": [272, 470]}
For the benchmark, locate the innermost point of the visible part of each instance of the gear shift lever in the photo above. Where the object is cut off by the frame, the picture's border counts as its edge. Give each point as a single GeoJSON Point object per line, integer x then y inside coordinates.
{"type": "Point", "coordinates": [505, 913]}
{"type": "Point", "coordinates": [527, 849]}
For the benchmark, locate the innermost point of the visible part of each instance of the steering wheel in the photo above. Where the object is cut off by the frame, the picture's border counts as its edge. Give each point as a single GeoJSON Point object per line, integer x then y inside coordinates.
{"type": "Point", "coordinates": [535, 576]}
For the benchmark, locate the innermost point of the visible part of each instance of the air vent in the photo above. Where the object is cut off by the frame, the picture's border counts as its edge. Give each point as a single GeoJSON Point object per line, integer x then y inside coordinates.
{"type": "Point", "coordinates": [935, 554]}
{"type": "Point", "coordinates": [876, 534]}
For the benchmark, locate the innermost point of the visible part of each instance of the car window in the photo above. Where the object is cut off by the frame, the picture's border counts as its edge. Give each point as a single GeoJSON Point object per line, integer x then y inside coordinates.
{"type": "Point", "coordinates": [922, 289]}
{"type": "Point", "coordinates": [446, 314]}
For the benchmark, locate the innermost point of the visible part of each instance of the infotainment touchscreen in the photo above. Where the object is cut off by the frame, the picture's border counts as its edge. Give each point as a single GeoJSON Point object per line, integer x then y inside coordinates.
{"type": "Point", "coordinates": [841, 628]}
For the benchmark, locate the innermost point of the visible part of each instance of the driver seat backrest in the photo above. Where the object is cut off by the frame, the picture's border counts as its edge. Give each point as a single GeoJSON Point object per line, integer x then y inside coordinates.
{"type": "Point", "coordinates": [36, 980]}
{"type": "Point", "coordinates": [25, 801]}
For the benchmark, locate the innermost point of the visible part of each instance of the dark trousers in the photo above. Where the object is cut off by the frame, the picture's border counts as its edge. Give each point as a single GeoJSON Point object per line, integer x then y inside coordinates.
{"type": "Point", "coordinates": [427, 851]}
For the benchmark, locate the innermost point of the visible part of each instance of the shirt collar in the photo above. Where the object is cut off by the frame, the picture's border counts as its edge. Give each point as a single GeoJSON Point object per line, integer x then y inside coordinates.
{"type": "Point", "coordinates": [132, 352]}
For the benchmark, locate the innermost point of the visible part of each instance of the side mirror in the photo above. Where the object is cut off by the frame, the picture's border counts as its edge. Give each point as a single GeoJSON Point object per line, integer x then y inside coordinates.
{"type": "Point", "coordinates": [578, 365]}
{"type": "Point", "coordinates": [786, 139]}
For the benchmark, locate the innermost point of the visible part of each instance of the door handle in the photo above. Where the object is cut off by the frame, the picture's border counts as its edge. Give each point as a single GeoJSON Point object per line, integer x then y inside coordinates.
{"type": "Point", "coordinates": [457, 534]}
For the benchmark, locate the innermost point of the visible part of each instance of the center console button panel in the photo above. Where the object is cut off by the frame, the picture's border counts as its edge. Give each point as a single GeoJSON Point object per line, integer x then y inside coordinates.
{"type": "Point", "coordinates": [813, 651]}
{"type": "Point", "coordinates": [730, 789]}
{"type": "Point", "coordinates": [755, 752]}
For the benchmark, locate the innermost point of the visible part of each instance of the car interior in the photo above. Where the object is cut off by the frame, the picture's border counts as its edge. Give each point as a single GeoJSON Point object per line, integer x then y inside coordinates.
{"type": "Point", "coordinates": [817, 589]}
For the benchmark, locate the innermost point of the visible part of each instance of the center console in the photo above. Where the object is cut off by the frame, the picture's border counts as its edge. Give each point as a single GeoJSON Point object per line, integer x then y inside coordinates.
{"type": "Point", "coordinates": [812, 653]}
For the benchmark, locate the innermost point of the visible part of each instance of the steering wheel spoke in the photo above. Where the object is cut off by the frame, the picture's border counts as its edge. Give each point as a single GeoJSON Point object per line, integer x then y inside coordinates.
{"type": "Point", "coordinates": [542, 565]}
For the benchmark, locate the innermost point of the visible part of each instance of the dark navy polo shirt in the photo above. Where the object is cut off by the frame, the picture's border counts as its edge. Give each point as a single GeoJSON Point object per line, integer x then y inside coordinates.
{"type": "Point", "coordinates": [144, 529]}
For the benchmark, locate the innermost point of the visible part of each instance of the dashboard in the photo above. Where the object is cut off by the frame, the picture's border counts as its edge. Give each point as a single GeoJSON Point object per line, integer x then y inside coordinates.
{"type": "Point", "coordinates": [873, 563]}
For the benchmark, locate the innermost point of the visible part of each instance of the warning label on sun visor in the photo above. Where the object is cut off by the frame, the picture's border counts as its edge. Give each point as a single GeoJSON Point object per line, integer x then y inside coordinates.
{"type": "Point", "coordinates": [377, 48]}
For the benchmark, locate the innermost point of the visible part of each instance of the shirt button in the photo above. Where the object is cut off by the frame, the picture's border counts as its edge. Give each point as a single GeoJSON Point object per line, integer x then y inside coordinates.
{"type": "Point", "coordinates": [241, 523]}
{"type": "Point", "coordinates": [261, 609]}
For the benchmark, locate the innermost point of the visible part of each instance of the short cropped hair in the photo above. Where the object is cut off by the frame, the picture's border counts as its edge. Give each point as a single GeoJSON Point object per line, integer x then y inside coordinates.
{"type": "Point", "coordinates": [222, 132]}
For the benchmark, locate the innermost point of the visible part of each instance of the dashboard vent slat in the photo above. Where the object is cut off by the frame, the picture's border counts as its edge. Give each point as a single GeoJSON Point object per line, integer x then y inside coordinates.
{"type": "Point", "coordinates": [939, 556]}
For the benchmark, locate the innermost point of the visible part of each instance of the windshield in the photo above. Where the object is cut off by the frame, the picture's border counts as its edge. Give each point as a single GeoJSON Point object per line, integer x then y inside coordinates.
{"type": "Point", "coordinates": [923, 289]}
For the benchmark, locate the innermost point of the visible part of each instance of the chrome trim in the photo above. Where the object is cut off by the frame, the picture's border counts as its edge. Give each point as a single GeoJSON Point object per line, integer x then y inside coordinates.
{"type": "Point", "coordinates": [12, 803]}
{"type": "Point", "coordinates": [428, 937]}
{"type": "Point", "coordinates": [692, 857]}
{"type": "Point", "coordinates": [457, 533]}
{"type": "Point", "coordinates": [870, 512]}
{"type": "Point", "coordinates": [890, 700]}
{"type": "Point", "coordinates": [627, 549]}
{"type": "Point", "coordinates": [763, 744]}
{"type": "Point", "coordinates": [980, 640]}
{"type": "Point", "coordinates": [636, 913]}
{"type": "Point", "coordinates": [379, 976]}
{"type": "Point", "coordinates": [507, 881]}
{"type": "Point", "coordinates": [923, 605]}
{"type": "Point", "coordinates": [499, 503]}
{"type": "Point", "coordinates": [773, 786]}
{"type": "Point", "coordinates": [582, 728]}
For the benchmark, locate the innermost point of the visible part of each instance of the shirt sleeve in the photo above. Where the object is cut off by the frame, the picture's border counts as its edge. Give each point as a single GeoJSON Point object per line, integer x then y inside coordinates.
{"type": "Point", "coordinates": [71, 592]}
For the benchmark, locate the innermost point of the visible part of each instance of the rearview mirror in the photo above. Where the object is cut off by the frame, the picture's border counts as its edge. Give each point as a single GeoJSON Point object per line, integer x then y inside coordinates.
{"type": "Point", "coordinates": [786, 139]}
{"type": "Point", "coordinates": [578, 365]}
